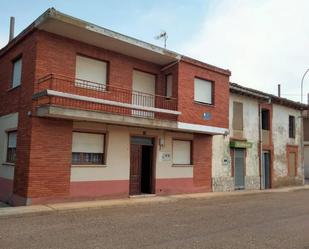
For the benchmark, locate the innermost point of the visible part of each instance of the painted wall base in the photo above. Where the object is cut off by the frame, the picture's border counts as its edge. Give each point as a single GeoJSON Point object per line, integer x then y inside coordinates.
{"type": "Point", "coordinates": [223, 184]}
{"type": "Point", "coordinates": [6, 189]}
{"type": "Point", "coordinates": [252, 182]}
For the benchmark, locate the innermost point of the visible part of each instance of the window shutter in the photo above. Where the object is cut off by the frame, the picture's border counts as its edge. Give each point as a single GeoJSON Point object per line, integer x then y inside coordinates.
{"type": "Point", "coordinates": [237, 116]}
{"type": "Point", "coordinates": [181, 152]}
{"type": "Point", "coordinates": [12, 139]}
{"type": "Point", "coordinates": [203, 91]}
{"type": "Point", "coordinates": [87, 142]}
{"type": "Point", "coordinates": [169, 85]}
{"type": "Point", "coordinates": [91, 70]}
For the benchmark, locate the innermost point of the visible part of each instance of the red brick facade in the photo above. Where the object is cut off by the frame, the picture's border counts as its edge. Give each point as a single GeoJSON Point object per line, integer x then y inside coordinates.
{"type": "Point", "coordinates": [44, 145]}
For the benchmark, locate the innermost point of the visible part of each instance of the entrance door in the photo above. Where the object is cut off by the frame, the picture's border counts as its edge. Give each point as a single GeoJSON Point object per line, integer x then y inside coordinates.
{"type": "Point", "coordinates": [266, 173]}
{"type": "Point", "coordinates": [141, 170]}
{"type": "Point", "coordinates": [239, 168]}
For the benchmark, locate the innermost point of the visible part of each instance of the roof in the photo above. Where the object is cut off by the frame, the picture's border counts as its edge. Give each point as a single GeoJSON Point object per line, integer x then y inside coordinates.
{"type": "Point", "coordinates": [54, 21]}
{"type": "Point", "coordinates": [238, 89]}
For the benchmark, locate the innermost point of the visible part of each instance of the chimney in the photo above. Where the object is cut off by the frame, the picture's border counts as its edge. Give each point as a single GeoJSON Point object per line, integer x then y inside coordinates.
{"type": "Point", "coordinates": [279, 90]}
{"type": "Point", "coordinates": [12, 26]}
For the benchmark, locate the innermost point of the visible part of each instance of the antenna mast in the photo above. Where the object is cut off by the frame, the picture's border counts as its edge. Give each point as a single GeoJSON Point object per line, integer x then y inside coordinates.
{"type": "Point", "coordinates": [163, 35]}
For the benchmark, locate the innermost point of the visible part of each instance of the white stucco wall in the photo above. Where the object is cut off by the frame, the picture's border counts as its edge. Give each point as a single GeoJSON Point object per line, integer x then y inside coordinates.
{"type": "Point", "coordinates": [118, 154]}
{"type": "Point", "coordinates": [221, 148]}
{"type": "Point", "coordinates": [7, 122]}
{"type": "Point", "coordinates": [280, 136]}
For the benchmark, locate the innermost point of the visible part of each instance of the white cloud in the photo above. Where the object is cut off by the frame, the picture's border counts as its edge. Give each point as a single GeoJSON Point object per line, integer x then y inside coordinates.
{"type": "Point", "coordinates": [263, 43]}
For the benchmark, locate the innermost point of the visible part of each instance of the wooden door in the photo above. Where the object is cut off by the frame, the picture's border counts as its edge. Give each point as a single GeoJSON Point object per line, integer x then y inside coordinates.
{"type": "Point", "coordinates": [135, 169]}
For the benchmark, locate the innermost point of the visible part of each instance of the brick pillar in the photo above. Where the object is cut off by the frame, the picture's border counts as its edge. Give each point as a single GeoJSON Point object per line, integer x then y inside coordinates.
{"type": "Point", "coordinates": [47, 174]}
{"type": "Point", "coordinates": [202, 156]}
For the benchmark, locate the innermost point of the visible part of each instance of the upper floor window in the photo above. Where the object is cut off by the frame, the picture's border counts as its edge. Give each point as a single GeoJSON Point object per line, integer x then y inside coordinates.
{"type": "Point", "coordinates": [11, 147]}
{"type": "Point", "coordinates": [88, 148]}
{"type": "Point", "coordinates": [91, 73]}
{"type": "Point", "coordinates": [238, 116]}
{"type": "Point", "coordinates": [17, 68]}
{"type": "Point", "coordinates": [265, 119]}
{"type": "Point", "coordinates": [291, 127]}
{"type": "Point", "coordinates": [203, 91]}
{"type": "Point", "coordinates": [169, 85]}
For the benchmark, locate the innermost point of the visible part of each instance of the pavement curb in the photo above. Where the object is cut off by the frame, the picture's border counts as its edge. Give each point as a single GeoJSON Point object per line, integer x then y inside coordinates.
{"type": "Point", "coordinates": [85, 205]}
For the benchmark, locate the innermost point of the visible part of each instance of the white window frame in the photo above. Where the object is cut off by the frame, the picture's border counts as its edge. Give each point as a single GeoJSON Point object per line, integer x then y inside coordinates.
{"type": "Point", "coordinates": [17, 72]}
{"type": "Point", "coordinates": [174, 153]}
{"type": "Point", "coordinates": [206, 98]}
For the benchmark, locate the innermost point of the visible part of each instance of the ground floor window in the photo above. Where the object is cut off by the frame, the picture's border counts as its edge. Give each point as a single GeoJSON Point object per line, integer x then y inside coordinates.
{"type": "Point", "coordinates": [11, 148]}
{"type": "Point", "coordinates": [182, 152]}
{"type": "Point", "coordinates": [88, 148]}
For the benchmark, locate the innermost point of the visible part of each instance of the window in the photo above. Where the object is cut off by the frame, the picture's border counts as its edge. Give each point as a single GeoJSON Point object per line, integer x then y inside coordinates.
{"type": "Point", "coordinates": [265, 119]}
{"type": "Point", "coordinates": [16, 77]}
{"type": "Point", "coordinates": [203, 91]}
{"type": "Point", "coordinates": [11, 147]}
{"type": "Point", "coordinates": [91, 73]}
{"type": "Point", "coordinates": [182, 152]}
{"type": "Point", "coordinates": [237, 116]}
{"type": "Point", "coordinates": [169, 85]}
{"type": "Point", "coordinates": [88, 148]}
{"type": "Point", "coordinates": [291, 127]}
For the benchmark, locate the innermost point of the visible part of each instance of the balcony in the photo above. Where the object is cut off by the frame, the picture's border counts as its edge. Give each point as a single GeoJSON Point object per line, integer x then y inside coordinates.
{"type": "Point", "coordinates": [73, 98]}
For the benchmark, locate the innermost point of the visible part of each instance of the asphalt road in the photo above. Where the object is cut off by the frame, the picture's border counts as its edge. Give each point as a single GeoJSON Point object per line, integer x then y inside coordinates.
{"type": "Point", "coordinates": [272, 220]}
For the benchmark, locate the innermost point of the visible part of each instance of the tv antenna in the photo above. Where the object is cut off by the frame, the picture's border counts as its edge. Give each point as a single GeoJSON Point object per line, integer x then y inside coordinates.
{"type": "Point", "coordinates": [163, 35]}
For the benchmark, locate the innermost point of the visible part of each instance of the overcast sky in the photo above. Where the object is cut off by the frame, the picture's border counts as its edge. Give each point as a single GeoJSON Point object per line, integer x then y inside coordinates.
{"type": "Point", "coordinates": [263, 42]}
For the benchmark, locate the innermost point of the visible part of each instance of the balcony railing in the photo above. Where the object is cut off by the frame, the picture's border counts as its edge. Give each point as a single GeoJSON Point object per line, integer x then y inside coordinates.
{"type": "Point", "coordinates": [86, 95]}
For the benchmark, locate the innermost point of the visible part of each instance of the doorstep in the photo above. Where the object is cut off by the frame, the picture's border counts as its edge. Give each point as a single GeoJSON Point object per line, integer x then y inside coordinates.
{"type": "Point", "coordinates": [71, 206]}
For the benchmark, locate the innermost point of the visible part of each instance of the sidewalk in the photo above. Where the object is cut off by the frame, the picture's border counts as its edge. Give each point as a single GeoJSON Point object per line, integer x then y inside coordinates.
{"type": "Point", "coordinates": [70, 206]}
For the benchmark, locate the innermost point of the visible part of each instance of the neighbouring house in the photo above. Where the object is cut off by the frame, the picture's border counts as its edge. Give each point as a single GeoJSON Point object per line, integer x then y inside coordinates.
{"type": "Point", "coordinates": [306, 143]}
{"type": "Point", "coordinates": [264, 147]}
{"type": "Point", "coordinates": [86, 112]}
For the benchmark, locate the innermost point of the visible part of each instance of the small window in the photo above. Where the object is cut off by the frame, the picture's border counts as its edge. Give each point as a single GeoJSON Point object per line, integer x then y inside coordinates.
{"type": "Point", "coordinates": [91, 73]}
{"type": "Point", "coordinates": [291, 126]}
{"type": "Point", "coordinates": [306, 129]}
{"type": "Point", "coordinates": [237, 116]}
{"type": "Point", "coordinates": [265, 119]}
{"type": "Point", "coordinates": [169, 85]}
{"type": "Point", "coordinates": [88, 148]}
{"type": "Point", "coordinates": [203, 91]}
{"type": "Point", "coordinates": [182, 152]}
{"type": "Point", "coordinates": [11, 147]}
{"type": "Point", "coordinates": [17, 68]}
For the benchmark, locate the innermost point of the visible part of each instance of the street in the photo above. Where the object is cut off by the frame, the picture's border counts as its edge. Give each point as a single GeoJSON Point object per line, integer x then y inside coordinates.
{"type": "Point", "coordinates": [269, 220]}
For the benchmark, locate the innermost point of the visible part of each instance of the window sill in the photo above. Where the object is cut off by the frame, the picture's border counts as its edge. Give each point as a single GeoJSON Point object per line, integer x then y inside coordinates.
{"type": "Point", "coordinates": [8, 164]}
{"type": "Point", "coordinates": [89, 165]}
{"type": "Point", "coordinates": [13, 88]}
{"type": "Point", "coordinates": [203, 104]}
{"type": "Point", "coordinates": [183, 165]}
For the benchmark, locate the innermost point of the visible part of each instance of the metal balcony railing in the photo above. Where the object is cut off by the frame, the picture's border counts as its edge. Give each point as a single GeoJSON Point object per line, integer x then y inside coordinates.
{"type": "Point", "coordinates": [86, 95]}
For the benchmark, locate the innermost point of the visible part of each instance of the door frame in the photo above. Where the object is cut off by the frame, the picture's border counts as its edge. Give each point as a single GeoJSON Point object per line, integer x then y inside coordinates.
{"type": "Point", "coordinates": [270, 153]}
{"type": "Point", "coordinates": [154, 159]}
{"type": "Point", "coordinates": [233, 164]}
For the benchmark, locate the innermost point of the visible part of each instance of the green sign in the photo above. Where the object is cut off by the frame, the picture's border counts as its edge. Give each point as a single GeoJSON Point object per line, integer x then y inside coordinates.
{"type": "Point", "coordinates": [240, 144]}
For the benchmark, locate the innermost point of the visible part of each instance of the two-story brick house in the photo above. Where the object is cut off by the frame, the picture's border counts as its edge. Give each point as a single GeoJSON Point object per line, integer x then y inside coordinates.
{"type": "Point", "coordinates": [86, 112]}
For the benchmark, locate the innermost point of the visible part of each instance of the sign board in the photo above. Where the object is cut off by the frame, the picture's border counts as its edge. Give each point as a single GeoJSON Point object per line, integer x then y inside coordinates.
{"type": "Point", "coordinates": [206, 115]}
{"type": "Point", "coordinates": [240, 144]}
{"type": "Point", "coordinates": [164, 156]}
